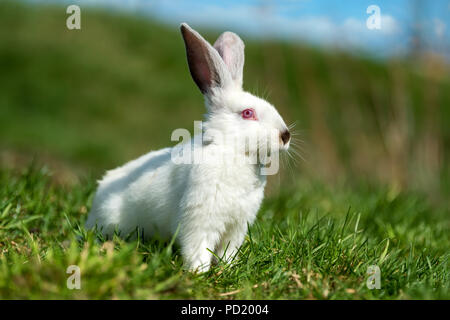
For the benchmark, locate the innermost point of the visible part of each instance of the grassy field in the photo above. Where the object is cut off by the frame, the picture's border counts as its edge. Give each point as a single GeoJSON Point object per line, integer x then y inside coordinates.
{"type": "Point", "coordinates": [373, 188]}
{"type": "Point", "coordinates": [312, 242]}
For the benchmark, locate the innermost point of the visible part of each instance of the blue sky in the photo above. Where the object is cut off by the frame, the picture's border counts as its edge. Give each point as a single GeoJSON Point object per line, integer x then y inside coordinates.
{"type": "Point", "coordinates": [326, 23]}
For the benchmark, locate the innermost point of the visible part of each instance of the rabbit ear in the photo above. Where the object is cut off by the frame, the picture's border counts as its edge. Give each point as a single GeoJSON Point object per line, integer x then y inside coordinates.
{"type": "Point", "coordinates": [231, 49]}
{"type": "Point", "coordinates": [205, 64]}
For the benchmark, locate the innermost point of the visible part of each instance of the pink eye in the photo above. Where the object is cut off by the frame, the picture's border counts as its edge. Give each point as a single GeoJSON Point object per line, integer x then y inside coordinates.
{"type": "Point", "coordinates": [249, 114]}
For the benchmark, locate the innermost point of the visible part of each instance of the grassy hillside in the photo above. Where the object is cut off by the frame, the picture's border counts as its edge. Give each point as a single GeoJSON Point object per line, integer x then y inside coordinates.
{"type": "Point", "coordinates": [117, 88]}
{"type": "Point", "coordinates": [373, 187]}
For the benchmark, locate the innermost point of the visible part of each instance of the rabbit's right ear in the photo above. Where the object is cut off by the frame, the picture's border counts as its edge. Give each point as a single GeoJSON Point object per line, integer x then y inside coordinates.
{"type": "Point", "coordinates": [205, 64]}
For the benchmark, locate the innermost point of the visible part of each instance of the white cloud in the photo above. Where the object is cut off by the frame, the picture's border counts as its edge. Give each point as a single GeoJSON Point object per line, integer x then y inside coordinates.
{"type": "Point", "coordinates": [268, 22]}
{"type": "Point", "coordinates": [281, 20]}
{"type": "Point", "coordinates": [389, 25]}
{"type": "Point", "coordinates": [439, 27]}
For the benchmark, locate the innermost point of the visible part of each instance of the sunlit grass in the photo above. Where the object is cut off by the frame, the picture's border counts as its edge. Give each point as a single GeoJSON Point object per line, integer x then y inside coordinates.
{"type": "Point", "coordinates": [314, 242]}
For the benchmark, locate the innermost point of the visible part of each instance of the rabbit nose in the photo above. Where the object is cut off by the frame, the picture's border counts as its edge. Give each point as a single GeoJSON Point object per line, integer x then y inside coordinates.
{"type": "Point", "coordinates": [285, 136]}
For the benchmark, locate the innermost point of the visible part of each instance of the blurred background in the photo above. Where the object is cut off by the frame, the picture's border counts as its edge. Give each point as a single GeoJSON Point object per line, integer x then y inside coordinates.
{"type": "Point", "coordinates": [370, 106]}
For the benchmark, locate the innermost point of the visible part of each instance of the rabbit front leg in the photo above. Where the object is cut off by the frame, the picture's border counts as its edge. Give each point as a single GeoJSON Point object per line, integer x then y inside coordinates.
{"type": "Point", "coordinates": [196, 247]}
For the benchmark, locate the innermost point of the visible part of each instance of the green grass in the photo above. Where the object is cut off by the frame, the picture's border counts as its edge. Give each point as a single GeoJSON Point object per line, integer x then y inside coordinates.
{"type": "Point", "coordinates": [313, 242]}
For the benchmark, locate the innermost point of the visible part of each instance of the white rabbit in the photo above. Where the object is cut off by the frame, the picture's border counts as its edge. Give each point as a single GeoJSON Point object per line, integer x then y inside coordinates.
{"type": "Point", "coordinates": [209, 204]}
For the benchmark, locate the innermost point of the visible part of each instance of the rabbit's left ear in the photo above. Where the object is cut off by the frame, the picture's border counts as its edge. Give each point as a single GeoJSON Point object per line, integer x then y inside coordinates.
{"type": "Point", "coordinates": [231, 49]}
{"type": "Point", "coordinates": [207, 68]}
